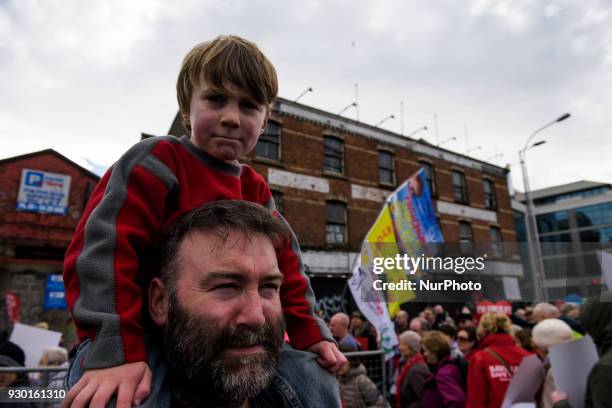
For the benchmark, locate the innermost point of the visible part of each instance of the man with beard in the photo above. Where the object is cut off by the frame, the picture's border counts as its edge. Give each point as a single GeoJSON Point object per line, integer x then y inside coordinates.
{"type": "Point", "coordinates": [217, 336]}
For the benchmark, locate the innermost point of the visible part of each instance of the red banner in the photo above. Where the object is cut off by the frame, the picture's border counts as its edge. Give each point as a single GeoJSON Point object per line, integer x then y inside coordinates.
{"type": "Point", "coordinates": [12, 303]}
{"type": "Point", "coordinates": [489, 307]}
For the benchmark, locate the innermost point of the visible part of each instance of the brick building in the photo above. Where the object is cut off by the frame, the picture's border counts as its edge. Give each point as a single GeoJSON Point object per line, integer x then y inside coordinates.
{"type": "Point", "coordinates": [330, 176]}
{"type": "Point", "coordinates": [36, 229]}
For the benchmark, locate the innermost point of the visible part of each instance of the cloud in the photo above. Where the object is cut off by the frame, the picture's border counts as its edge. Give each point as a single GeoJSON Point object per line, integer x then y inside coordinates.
{"type": "Point", "coordinates": [88, 77]}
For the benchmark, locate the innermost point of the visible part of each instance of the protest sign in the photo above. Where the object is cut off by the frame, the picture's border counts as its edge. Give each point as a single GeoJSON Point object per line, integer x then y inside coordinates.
{"type": "Point", "coordinates": [33, 341]}
{"type": "Point", "coordinates": [571, 363]}
{"type": "Point", "coordinates": [525, 382]}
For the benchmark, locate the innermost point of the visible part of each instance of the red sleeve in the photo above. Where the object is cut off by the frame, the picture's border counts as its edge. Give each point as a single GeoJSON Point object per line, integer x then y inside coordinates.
{"type": "Point", "coordinates": [101, 267]}
{"type": "Point", "coordinates": [305, 328]}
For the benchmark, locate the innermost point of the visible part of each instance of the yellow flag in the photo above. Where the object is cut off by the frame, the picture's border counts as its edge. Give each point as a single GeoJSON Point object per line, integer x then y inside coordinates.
{"type": "Point", "coordinates": [381, 242]}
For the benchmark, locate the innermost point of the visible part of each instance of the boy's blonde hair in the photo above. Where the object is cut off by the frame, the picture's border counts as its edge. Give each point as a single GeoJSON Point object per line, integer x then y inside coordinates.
{"type": "Point", "coordinates": [226, 60]}
{"type": "Point", "coordinates": [492, 323]}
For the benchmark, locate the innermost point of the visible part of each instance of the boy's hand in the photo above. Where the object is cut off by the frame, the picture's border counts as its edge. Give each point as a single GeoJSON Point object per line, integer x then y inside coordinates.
{"type": "Point", "coordinates": [329, 356]}
{"type": "Point", "coordinates": [131, 382]}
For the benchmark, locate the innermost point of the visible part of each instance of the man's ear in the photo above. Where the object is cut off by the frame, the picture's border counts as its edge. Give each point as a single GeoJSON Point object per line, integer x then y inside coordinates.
{"type": "Point", "coordinates": [158, 302]}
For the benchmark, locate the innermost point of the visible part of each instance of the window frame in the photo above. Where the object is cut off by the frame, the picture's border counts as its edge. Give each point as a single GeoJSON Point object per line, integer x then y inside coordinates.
{"type": "Point", "coordinates": [496, 246]}
{"type": "Point", "coordinates": [333, 155]}
{"type": "Point", "coordinates": [277, 196]}
{"type": "Point", "coordinates": [464, 196]}
{"type": "Point", "coordinates": [390, 169]}
{"type": "Point", "coordinates": [265, 138]}
{"type": "Point", "coordinates": [336, 222]}
{"type": "Point", "coordinates": [466, 247]}
{"type": "Point", "coordinates": [471, 230]}
{"type": "Point", "coordinates": [491, 195]}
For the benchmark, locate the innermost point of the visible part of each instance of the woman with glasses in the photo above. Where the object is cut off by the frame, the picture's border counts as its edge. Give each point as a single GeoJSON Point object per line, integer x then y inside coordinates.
{"type": "Point", "coordinates": [467, 342]}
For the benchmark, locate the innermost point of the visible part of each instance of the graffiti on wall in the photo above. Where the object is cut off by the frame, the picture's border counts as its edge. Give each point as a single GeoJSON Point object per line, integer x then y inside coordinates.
{"type": "Point", "coordinates": [330, 305]}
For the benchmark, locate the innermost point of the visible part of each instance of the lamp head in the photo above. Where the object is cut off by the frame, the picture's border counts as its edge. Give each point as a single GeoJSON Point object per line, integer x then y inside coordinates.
{"type": "Point", "coordinates": [563, 117]}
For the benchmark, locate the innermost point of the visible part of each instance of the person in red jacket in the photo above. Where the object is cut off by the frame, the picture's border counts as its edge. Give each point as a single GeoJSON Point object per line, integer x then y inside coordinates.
{"type": "Point", "coordinates": [493, 365]}
{"type": "Point", "coordinates": [225, 90]}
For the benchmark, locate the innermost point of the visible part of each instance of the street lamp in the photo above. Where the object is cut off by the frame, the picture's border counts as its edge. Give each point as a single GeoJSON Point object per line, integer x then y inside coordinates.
{"type": "Point", "coordinates": [533, 244]}
{"type": "Point", "coordinates": [349, 106]}
{"type": "Point", "coordinates": [494, 157]}
{"type": "Point", "coordinates": [417, 131]}
{"type": "Point", "coordinates": [450, 139]}
{"type": "Point", "coordinates": [385, 119]}
{"type": "Point", "coordinates": [304, 93]}
{"type": "Point", "coordinates": [472, 149]}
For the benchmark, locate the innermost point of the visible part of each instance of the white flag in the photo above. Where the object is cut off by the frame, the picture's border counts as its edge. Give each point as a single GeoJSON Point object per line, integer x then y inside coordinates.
{"type": "Point", "coordinates": [375, 309]}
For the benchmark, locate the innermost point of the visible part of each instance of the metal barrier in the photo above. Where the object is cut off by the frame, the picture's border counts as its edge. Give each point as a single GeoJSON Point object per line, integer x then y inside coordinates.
{"type": "Point", "coordinates": [376, 367]}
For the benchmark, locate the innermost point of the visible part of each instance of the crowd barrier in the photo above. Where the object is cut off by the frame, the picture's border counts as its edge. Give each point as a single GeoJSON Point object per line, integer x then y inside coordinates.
{"type": "Point", "coordinates": [374, 362]}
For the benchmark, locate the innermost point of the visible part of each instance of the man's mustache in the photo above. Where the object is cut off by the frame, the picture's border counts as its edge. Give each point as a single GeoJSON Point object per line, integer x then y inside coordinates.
{"type": "Point", "coordinates": [246, 336]}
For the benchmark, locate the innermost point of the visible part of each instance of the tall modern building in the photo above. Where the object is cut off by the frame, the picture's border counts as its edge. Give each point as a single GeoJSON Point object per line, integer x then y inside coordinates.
{"type": "Point", "coordinates": [574, 224]}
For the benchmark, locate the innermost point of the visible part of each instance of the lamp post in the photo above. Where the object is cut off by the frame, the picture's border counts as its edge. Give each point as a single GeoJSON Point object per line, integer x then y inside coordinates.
{"type": "Point", "coordinates": [348, 106]}
{"type": "Point", "coordinates": [533, 244]}
{"type": "Point", "coordinates": [384, 120]}
{"type": "Point", "coordinates": [494, 157]}
{"type": "Point", "coordinates": [304, 93]}
{"type": "Point", "coordinates": [417, 131]}
{"type": "Point", "coordinates": [450, 139]}
{"type": "Point", "coordinates": [472, 149]}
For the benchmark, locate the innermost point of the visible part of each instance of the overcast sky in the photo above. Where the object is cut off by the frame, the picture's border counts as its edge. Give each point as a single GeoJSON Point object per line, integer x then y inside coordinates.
{"type": "Point", "coordinates": [86, 78]}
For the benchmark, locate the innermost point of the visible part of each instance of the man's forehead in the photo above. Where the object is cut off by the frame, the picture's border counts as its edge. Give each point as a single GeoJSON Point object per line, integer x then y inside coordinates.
{"type": "Point", "coordinates": [208, 249]}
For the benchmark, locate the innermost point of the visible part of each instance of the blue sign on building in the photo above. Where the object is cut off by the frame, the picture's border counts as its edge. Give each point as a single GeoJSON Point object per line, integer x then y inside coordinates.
{"type": "Point", "coordinates": [55, 295]}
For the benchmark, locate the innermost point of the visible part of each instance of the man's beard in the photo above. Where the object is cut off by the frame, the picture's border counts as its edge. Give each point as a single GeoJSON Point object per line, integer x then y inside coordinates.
{"type": "Point", "coordinates": [196, 349]}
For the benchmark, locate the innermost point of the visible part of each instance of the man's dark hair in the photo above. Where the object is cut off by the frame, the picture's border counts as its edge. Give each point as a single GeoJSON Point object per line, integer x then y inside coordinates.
{"type": "Point", "coordinates": [219, 218]}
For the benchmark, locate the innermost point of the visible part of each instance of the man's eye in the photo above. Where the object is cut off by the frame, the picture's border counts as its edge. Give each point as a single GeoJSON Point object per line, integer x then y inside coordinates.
{"type": "Point", "coordinates": [226, 286]}
{"type": "Point", "coordinates": [270, 288]}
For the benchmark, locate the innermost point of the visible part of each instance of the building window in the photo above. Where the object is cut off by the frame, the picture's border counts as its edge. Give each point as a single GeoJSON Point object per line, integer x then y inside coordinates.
{"type": "Point", "coordinates": [465, 232]}
{"type": "Point", "coordinates": [593, 215]}
{"type": "Point", "coordinates": [333, 155]}
{"type": "Point", "coordinates": [386, 168]}
{"type": "Point", "coordinates": [335, 222]}
{"type": "Point", "coordinates": [459, 188]}
{"type": "Point", "coordinates": [430, 175]}
{"type": "Point", "coordinates": [495, 237]}
{"type": "Point", "coordinates": [268, 145]}
{"type": "Point", "coordinates": [551, 222]}
{"type": "Point", "coordinates": [277, 196]}
{"type": "Point", "coordinates": [489, 194]}
{"type": "Point", "coordinates": [465, 237]}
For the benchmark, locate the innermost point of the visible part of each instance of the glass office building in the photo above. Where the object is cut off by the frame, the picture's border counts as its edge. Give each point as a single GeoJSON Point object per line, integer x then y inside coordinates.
{"type": "Point", "coordinates": [574, 226]}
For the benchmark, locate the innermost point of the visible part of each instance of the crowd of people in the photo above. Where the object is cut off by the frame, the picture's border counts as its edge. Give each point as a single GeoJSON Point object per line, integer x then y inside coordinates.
{"type": "Point", "coordinates": [469, 360]}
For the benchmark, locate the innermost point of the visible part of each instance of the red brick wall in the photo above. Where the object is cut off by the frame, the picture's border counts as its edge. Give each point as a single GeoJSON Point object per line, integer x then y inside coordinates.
{"type": "Point", "coordinates": [34, 229]}
{"type": "Point", "coordinates": [302, 152]}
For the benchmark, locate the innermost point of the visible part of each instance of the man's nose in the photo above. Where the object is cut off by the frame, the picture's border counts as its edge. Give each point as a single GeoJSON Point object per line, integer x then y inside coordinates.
{"type": "Point", "coordinates": [230, 116]}
{"type": "Point", "coordinates": [251, 311]}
